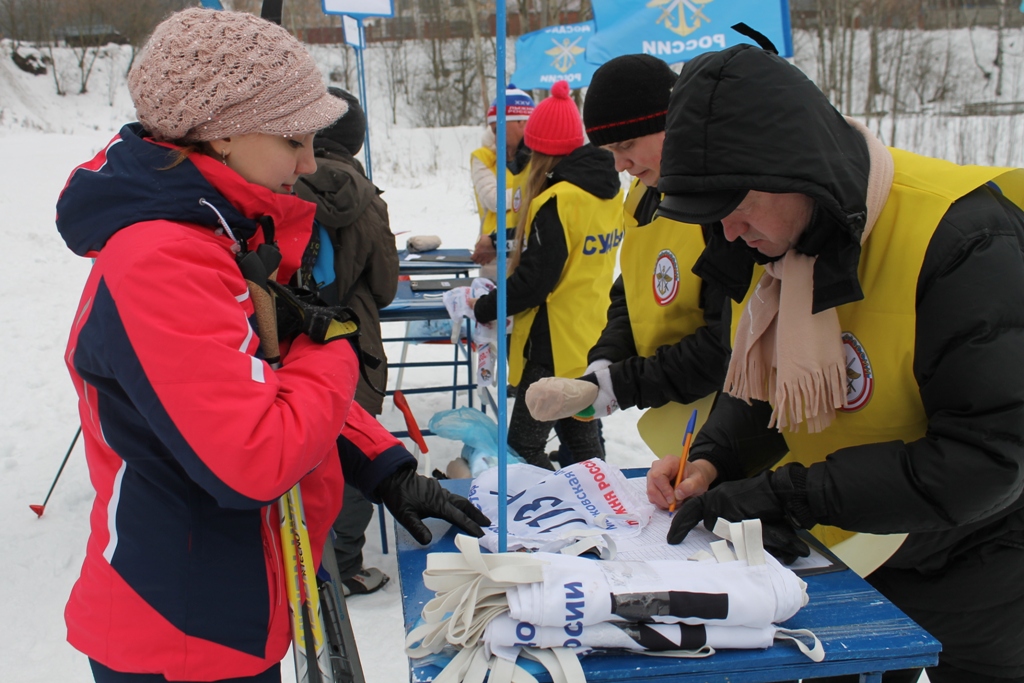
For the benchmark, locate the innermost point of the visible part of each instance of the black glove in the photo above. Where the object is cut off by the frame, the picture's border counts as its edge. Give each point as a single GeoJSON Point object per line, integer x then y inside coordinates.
{"type": "Point", "coordinates": [411, 497]}
{"type": "Point", "coordinates": [754, 498]}
{"type": "Point", "coordinates": [258, 268]}
{"type": "Point", "coordinates": [300, 310]}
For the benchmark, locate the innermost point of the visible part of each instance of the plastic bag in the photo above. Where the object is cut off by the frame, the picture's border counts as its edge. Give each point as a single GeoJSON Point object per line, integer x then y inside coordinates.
{"type": "Point", "coordinates": [440, 330]}
{"type": "Point", "coordinates": [485, 338]}
{"type": "Point", "coordinates": [477, 431]}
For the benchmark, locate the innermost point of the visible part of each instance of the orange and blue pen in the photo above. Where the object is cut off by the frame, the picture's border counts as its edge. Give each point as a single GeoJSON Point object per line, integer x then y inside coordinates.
{"type": "Point", "coordinates": [687, 439]}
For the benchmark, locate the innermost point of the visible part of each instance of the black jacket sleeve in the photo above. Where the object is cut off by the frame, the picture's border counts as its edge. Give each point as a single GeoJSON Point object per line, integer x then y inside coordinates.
{"type": "Point", "coordinates": [540, 267]}
{"type": "Point", "coordinates": [961, 484]}
{"type": "Point", "coordinates": [736, 439]}
{"type": "Point", "coordinates": [967, 473]}
{"type": "Point", "coordinates": [616, 340]}
{"type": "Point", "coordinates": [688, 370]}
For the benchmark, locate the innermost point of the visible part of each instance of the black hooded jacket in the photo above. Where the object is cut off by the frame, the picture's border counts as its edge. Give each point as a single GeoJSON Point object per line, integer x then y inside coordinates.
{"type": "Point", "coordinates": [591, 169]}
{"type": "Point", "coordinates": [956, 491]}
{"type": "Point", "coordinates": [737, 121]}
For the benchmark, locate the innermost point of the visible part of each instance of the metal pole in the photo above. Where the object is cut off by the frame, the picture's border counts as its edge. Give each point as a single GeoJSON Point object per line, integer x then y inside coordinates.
{"type": "Point", "coordinates": [499, 33]}
{"type": "Point", "coordinates": [361, 68]}
{"type": "Point", "coordinates": [39, 509]}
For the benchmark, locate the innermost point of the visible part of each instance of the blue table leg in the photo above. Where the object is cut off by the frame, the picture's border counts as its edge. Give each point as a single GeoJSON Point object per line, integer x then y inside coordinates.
{"type": "Point", "coordinates": [871, 677]}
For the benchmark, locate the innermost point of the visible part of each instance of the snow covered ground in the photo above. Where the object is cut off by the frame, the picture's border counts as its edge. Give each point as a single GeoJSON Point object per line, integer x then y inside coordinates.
{"type": "Point", "coordinates": [42, 137]}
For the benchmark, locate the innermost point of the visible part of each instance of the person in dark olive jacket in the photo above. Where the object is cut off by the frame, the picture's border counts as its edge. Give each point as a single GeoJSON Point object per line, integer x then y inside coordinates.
{"type": "Point", "coordinates": [877, 337]}
{"type": "Point", "coordinates": [359, 243]}
{"type": "Point", "coordinates": [356, 265]}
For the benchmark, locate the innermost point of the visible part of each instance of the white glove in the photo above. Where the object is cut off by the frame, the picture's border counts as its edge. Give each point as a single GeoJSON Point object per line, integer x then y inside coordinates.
{"type": "Point", "coordinates": [604, 404]}
{"type": "Point", "coordinates": [599, 364]}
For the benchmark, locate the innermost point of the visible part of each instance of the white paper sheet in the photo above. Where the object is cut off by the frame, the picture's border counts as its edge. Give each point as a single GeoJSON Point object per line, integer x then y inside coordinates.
{"type": "Point", "coordinates": [651, 544]}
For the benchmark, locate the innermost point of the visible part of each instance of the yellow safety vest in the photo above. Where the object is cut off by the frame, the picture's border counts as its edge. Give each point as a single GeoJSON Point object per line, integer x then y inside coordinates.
{"type": "Point", "coordinates": [514, 182]}
{"type": "Point", "coordinates": [578, 305]}
{"type": "Point", "coordinates": [663, 299]}
{"type": "Point", "coordinates": [879, 331]}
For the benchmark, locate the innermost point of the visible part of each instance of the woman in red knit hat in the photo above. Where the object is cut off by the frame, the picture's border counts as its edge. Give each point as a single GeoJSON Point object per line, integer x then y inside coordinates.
{"type": "Point", "coordinates": [560, 272]}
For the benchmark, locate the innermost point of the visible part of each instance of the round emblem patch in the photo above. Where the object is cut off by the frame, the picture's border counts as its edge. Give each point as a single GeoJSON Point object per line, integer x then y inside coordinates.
{"type": "Point", "coordinates": [860, 382]}
{"type": "Point", "coordinates": [666, 278]}
{"type": "Point", "coordinates": [517, 199]}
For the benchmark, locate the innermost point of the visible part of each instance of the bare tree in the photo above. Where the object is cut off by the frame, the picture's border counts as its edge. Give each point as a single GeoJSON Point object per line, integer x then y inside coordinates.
{"type": "Point", "coordinates": [396, 74]}
{"type": "Point", "coordinates": [250, 6]}
{"type": "Point", "coordinates": [136, 19]}
{"type": "Point", "coordinates": [446, 95]}
{"type": "Point", "coordinates": [998, 61]}
{"type": "Point", "coordinates": [473, 11]}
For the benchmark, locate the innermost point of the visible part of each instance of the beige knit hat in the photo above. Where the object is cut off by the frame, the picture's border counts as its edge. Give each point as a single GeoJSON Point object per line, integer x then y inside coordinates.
{"type": "Point", "coordinates": [208, 74]}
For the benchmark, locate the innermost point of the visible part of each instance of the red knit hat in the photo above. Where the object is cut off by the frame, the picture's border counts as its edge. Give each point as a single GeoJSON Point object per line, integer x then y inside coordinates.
{"type": "Point", "coordinates": [555, 127]}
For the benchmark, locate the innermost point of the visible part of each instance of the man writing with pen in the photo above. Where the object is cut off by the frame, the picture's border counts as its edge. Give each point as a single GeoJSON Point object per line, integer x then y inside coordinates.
{"type": "Point", "coordinates": [876, 330]}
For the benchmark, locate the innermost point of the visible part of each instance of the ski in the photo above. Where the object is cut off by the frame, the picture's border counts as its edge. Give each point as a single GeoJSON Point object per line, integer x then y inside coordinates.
{"type": "Point", "coordinates": [344, 654]}
{"type": "Point", "coordinates": [309, 644]}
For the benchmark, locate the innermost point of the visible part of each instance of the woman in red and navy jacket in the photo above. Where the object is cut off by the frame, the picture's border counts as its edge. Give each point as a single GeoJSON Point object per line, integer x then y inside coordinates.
{"type": "Point", "coordinates": [190, 435]}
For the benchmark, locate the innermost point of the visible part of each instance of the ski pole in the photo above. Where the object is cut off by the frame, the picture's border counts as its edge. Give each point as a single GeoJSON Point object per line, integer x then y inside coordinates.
{"type": "Point", "coordinates": [38, 509]}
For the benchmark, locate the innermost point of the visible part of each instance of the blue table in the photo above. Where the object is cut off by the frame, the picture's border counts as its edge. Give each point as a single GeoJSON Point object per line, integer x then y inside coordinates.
{"type": "Point", "coordinates": [409, 306]}
{"type": "Point", "coordinates": [436, 262]}
{"type": "Point", "coordinates": [862, 632]}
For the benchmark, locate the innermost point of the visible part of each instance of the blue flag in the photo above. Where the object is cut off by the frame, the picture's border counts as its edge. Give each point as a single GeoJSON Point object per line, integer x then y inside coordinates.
{"type": "Point", "coordinates": [679, 30]}
{"type": "Point", "coordinates": [554, 54]}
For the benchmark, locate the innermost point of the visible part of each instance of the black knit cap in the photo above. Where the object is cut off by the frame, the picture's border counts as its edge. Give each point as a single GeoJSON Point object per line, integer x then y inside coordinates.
{"type": "Point", "coordinates": [350, 130]}
{"type": "Point", "coordinates": [627, 98]}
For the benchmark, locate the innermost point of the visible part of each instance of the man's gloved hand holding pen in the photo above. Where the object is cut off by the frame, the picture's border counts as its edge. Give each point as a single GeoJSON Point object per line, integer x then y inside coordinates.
{"type": "Point", "coordinates": [777, 498]}
{"type": "Point", "coordinates": [411, 498]}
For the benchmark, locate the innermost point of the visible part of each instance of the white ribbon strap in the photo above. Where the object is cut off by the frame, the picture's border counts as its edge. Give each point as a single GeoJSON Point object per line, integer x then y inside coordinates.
{"type": "Point", "coordinates": [561, 663]}
{"type": "Point", "coordinates": [455, 671]}
{"type": "Point", "coordinates": [816, 653]}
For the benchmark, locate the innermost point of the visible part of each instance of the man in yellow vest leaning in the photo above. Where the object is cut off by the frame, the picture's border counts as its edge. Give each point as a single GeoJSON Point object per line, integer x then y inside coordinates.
{"type": "Point", "coordinates": [877, 342]}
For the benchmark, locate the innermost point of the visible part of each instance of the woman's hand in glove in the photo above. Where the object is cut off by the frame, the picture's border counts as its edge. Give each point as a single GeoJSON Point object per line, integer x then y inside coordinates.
{"type": "Point", "coordinates": [411, 498]}
{"type": "Point", "coordinates": [753, 498]}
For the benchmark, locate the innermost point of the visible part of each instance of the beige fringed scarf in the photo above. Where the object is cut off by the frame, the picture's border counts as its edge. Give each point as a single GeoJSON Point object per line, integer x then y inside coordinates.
{"type": "Point", "coordinates": [785, 354]}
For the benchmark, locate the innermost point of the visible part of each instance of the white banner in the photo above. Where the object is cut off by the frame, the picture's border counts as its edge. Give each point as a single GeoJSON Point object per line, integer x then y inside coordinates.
{"type": "Point", "coordinates": [551, 510]}
{"type": "Point", "coordinates": [366, 8]}
{"type": "Point", "coordinates": [352, 33]}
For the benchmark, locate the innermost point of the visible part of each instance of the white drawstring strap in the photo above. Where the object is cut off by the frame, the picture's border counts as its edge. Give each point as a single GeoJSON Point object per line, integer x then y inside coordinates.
{"type": "Point", "coordinates": [237, 247]}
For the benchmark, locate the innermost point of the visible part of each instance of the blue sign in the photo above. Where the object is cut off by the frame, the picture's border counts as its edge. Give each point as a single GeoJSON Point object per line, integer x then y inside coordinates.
{"type": "Point", "coordinates": [553, 54]}
{"type": "Point", "coordinates": [679, 30]}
